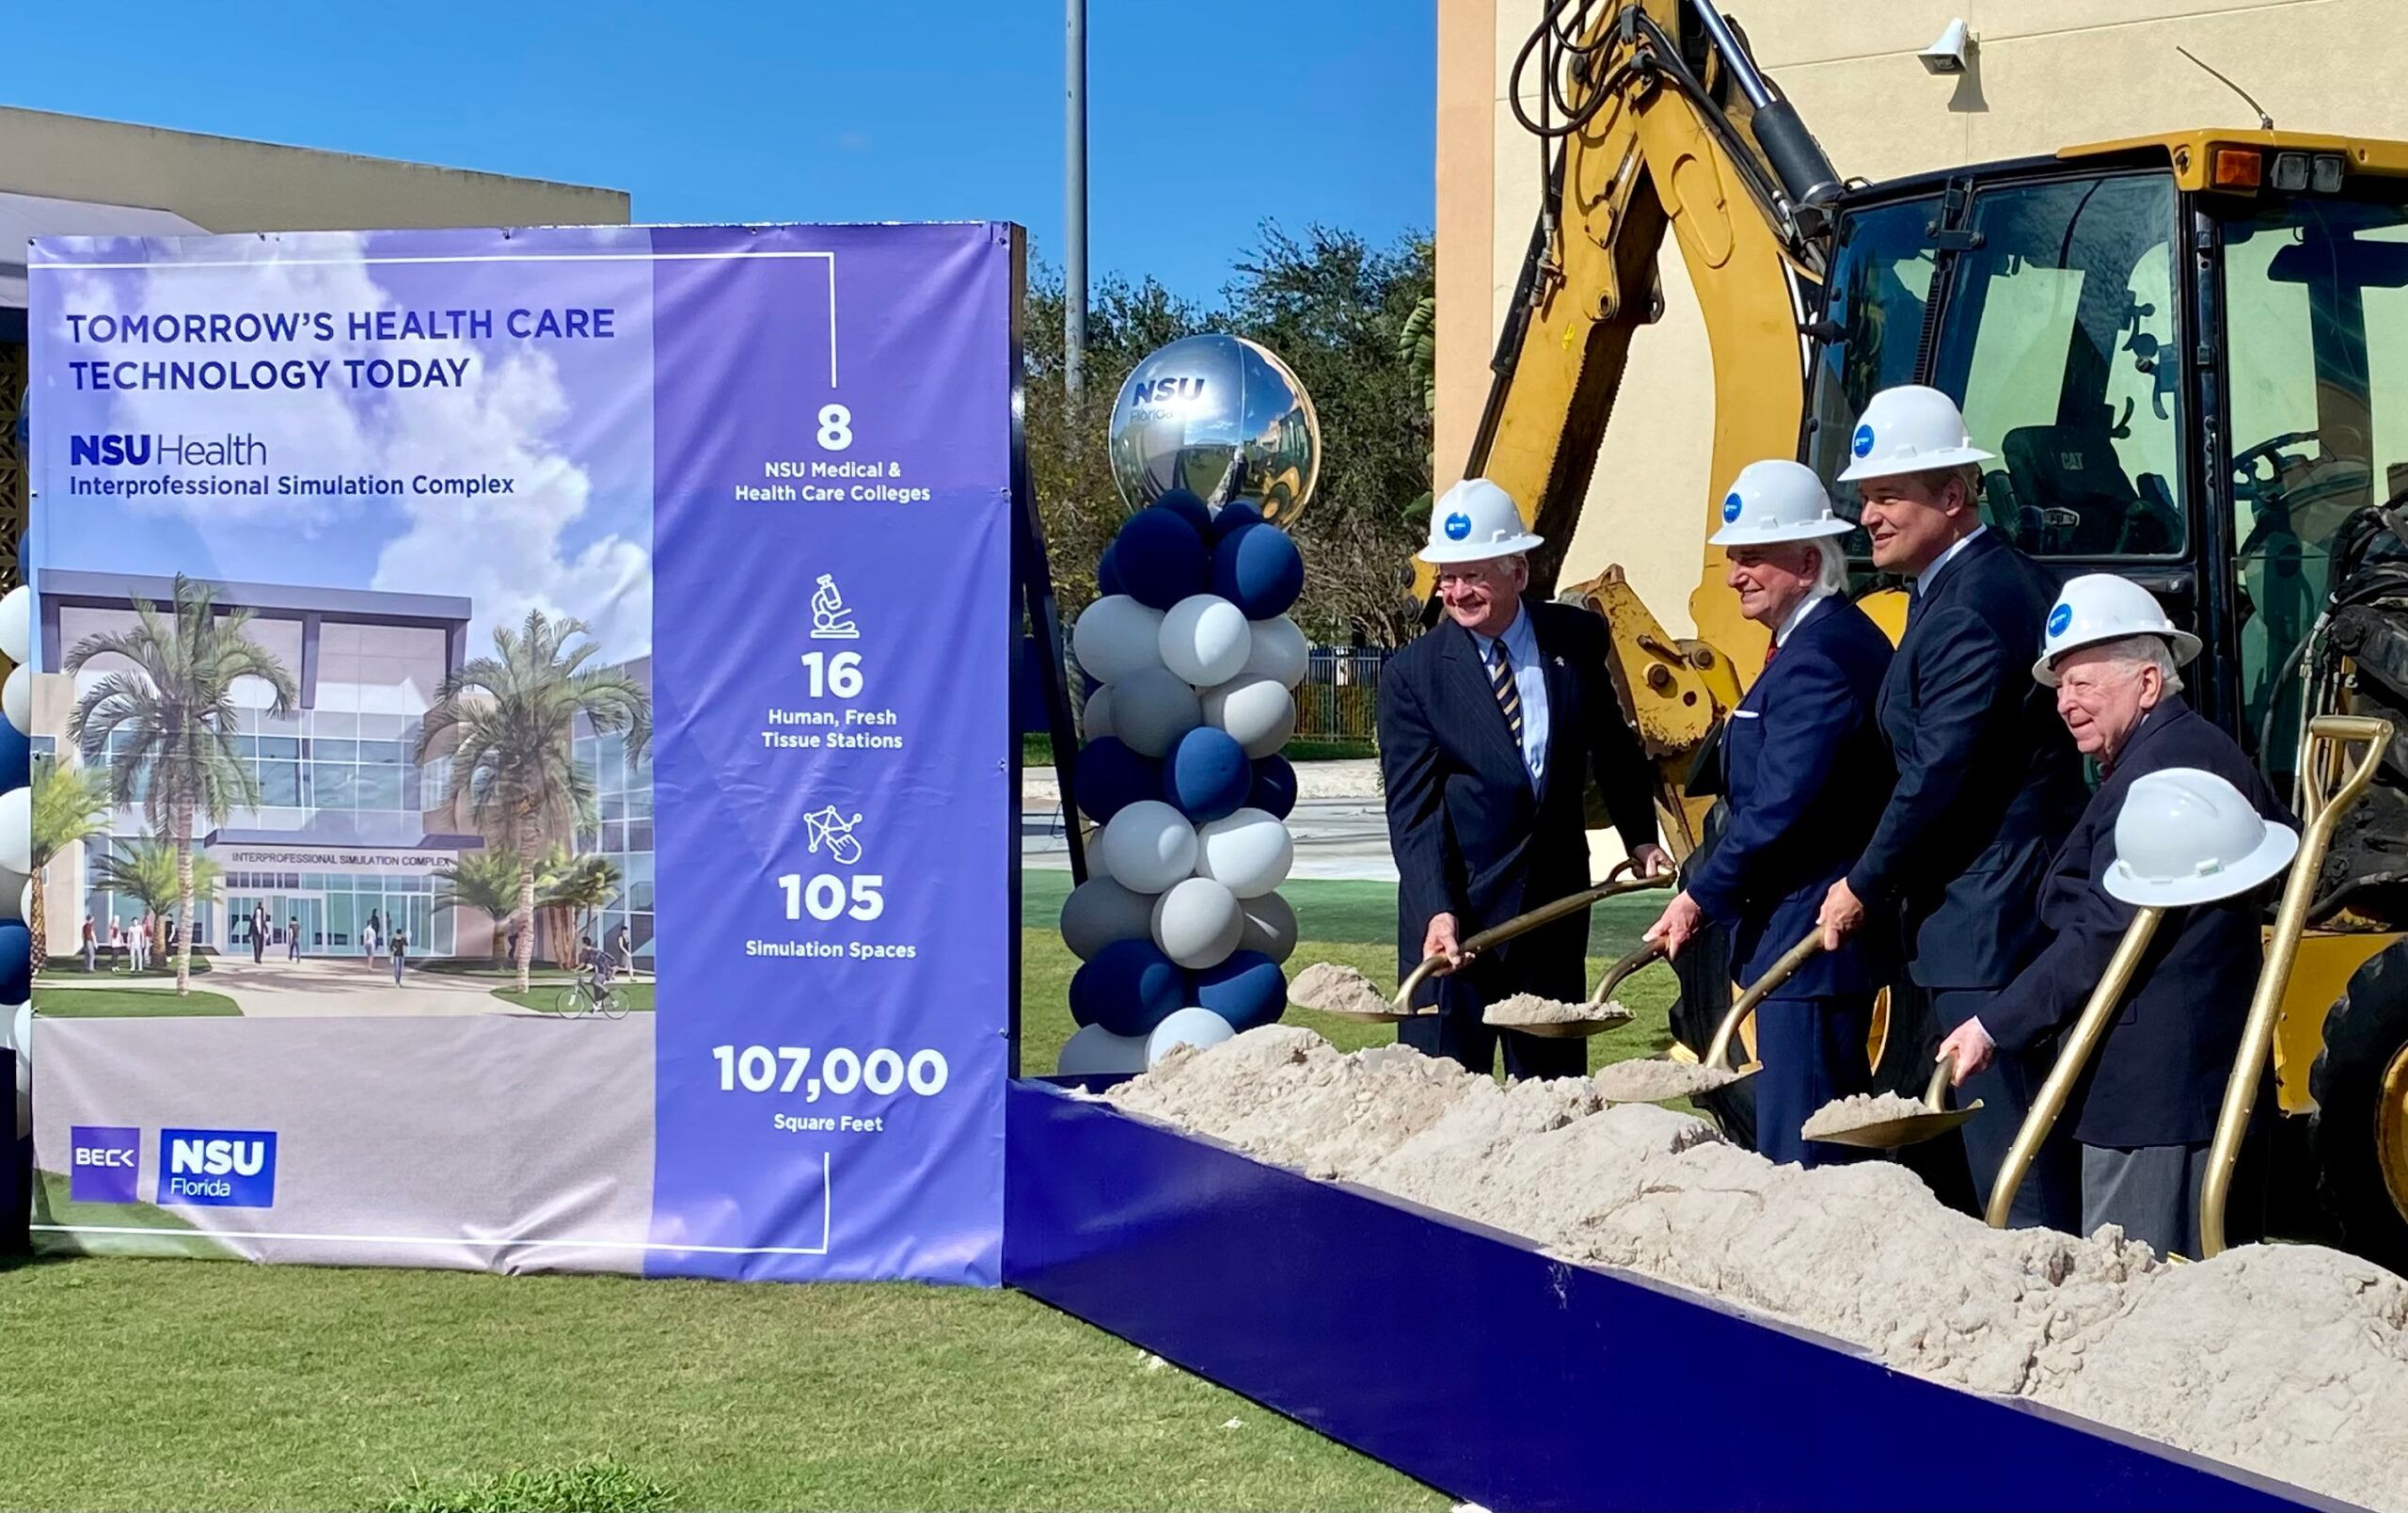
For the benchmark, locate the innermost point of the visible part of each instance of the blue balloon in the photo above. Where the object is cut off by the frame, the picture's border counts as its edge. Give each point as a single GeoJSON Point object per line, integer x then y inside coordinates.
{"type": "Point", "coordinates": [1107, 576]}
{"type": "Point", "coordinates": [16, 758]}
{"type": "Point", "coordinates": [1260, 570]}
{"type": "Point", "coordinates": [1110, 777]}
{"type": "Point", "coordinates": [1206, 776]}
{"type": "Point", "coordinates": [16, 963]}
{"type": "Point", "coordinates": [1235, 515]}
{"type": "Point", "coordinates": [1248, 990]}
{"type": "Point", "coordinates": [1160, 558]}
{"type": "Point", "coordinates": [1129, 988]}
{"type": "Point", "coordinates": [1274, 788]}
{"type": "Point", "coordinates": [1183, 503]}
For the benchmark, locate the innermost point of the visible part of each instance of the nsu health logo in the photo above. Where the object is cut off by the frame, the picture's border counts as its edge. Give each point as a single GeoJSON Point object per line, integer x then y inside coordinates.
{"type": "Point", "coordinates": [106, 1161]}
{"type": "Point", "coordinates": [217, 1168]}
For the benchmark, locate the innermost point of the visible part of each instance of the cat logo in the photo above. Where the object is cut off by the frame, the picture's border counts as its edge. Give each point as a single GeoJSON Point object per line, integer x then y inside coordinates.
{"type": "Point", "coordinates": [2069, 461]}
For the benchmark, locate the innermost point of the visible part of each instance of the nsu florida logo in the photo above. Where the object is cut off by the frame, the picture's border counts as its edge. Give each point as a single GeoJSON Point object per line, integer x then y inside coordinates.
{"type": "Point", "coordinates": [106, 1162]}
{"type": "Point", "coordinates": [217, 1168]}
{"type": "Point", "coordinates": [1166, 391]}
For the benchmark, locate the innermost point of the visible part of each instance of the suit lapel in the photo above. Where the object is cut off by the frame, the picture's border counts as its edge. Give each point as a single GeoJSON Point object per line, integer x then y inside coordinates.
{"type": "Point", "coordinates": [1470, 676]}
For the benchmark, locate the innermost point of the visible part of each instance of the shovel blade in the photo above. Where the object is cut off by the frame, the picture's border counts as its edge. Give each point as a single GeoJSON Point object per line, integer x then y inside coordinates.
{"type": "Point", "coordinates": [1892, 1133]}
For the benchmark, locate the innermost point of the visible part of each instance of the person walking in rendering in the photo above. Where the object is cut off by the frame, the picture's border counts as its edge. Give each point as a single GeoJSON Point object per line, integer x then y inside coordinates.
{"type": "Point", "coordinates": [292, 939]}
{"type": "Point", "coordinates": [259, 933]}
{"type": "Point", "coordinates": [622, 956]}
{"type": "Point", "coordinates": [92, 945]}
{"type": "Point", "coordinates": [143, 935]}
{"type": "Point", "coordinates": [367, 939]}
{"type": "Point", "coordinates": [401, 955]}
{"type": "Point", "coordinates": [117, 942]}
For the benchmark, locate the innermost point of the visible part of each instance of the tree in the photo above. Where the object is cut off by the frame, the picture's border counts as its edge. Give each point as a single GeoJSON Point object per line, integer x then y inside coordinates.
{"type": "Point", "coordinates": [508, 721]}
{"type": "Point", "coordinates": [576, 887]}
{"type": "Point", "coordinates": [71, 806]}
{"type": "Point", "coordinates": [486, 881]}
{"type": "Point", "coordinates": [152, 871]}
{"type": "Point", "coordinates": [175, 715]}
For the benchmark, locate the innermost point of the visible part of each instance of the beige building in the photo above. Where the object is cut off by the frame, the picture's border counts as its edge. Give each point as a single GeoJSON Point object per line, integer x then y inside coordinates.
{"type": "Point", "coordinates": [2044, 75]}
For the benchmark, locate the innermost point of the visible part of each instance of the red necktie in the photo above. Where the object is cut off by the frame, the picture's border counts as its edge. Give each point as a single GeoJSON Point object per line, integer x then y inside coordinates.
{"type": "Point", "coordinates": [1771, 650]}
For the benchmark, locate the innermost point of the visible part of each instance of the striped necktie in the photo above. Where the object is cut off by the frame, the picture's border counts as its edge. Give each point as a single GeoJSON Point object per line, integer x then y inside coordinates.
{"type": "Point", "coordinates": [1509, 697]}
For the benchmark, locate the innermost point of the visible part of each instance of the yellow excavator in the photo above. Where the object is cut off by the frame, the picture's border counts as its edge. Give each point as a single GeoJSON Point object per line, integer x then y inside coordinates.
{"type": "Point", "coordinates": [2185, 349]}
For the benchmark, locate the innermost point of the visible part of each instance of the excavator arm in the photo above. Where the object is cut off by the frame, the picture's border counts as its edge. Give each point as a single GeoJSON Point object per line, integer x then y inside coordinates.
{"type": "Point", "coordinates": [1654, 118]}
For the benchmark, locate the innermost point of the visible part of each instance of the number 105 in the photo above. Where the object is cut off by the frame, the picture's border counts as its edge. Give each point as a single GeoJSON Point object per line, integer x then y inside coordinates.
{"type": "Point", "coordinates": [825, 895]}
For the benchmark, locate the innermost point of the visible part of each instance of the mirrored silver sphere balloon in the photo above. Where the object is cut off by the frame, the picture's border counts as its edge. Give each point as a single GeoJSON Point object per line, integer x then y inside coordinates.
{"type": "Point", "coordinates": [1223, 417]}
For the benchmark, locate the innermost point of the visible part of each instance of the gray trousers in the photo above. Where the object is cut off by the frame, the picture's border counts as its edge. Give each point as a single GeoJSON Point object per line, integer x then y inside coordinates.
{"type": "Point", "coordinates": [2152, 1191]}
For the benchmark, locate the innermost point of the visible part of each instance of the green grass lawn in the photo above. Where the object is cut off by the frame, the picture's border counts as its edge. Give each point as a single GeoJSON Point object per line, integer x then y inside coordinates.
{"type": "Point", "coordinates": [544, 996]}
{"type": "Point", "coordinates": [55, 1002]}
{"type": "Point", "coordinates": [132, 1384]}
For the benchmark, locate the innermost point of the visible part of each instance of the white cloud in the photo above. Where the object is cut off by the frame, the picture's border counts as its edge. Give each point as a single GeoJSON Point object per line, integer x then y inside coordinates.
{"type": "Point", "coordinates": [507, 553]}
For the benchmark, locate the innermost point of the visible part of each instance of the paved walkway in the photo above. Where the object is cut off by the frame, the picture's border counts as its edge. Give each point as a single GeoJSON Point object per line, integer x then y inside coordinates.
{"type": "Point", "coordinates": [333, 987]}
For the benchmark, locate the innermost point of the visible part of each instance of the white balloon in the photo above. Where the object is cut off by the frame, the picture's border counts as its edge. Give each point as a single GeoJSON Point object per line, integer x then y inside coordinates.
{"type": "Point", "coordinates": [1152, 708]}
{"type": "Point", "coordinates": [17, 830]}
{"type": "Point", "coordinates": [1270, 927]}
{"type": "Point", "coordinates": [21, 1035]}
{"type": "Point", "coordinates": [17, 624]}
{"type": "Point", "coordinates": [1275, 649]}
{"type": "Point", "coordinates": [1196, 923]}
{"type": "Point", "coordinates": [1199, 1027]}
{"type": "Point", "coordinates": [1147, 846]}
{"type": "Point", "coordinates": [1249, 852]}
{"type": "Point", "coordinates": [1205, 639]}
{"type": "Point", "coordinates": [1094, 720]}
{"type": "Point", "coordinates": [1117, 636]}
{"type": "Point", "coordinates": [1099, 912]}
{"type": "Point", "coordinates": [17, 700]}
{"type": "Point", "coordinates": [1258, 713]}
{"type": "Point", "coordinates": [1097, 1052]}
{"type": "Point", "coordinates": [16, 896]}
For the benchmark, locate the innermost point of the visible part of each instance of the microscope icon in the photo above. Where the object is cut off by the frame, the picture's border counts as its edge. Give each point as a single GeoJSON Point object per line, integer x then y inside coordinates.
{"type": "Point", "coordinates": [830, 620]}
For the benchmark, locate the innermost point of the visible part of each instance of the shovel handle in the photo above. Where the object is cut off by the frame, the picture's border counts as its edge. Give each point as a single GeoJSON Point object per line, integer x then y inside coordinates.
{"type": "Point", "coordinates": [1521, 924]}
{"type": "Point", "coordinates": [1652, 951]}
{"type": "Point", "coordinates": [1795, 957]}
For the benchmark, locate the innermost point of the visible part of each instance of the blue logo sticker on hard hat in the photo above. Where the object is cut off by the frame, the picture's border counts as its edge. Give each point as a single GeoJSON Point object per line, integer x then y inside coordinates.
{"type": "Point", "coordinates": [1863, 446]}
{"type": "Point", "coordinates": [2059, 618]}
{"type": "Point", "coordinates": [1458, 526]}
{"type": "Point", "coordinates": [1730, 508]}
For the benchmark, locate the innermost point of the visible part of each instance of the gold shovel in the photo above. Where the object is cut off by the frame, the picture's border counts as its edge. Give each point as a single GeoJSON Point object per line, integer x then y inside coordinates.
{"type": "Point", "coordinates": [1910, 1129]}
{"type": "Point", "coordinates": [1600, 1020]}
{"type": "Point", "coordinates": [2320, 755]}
{"type": "Point", "coordinates": [1745, 1008]}
{"type": "Point", "coordinates": [1401, 1007]}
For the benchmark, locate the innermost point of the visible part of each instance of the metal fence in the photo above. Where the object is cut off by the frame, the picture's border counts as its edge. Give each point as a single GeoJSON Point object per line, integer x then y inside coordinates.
{"type": "Point", "coordinates": [1340, 698]}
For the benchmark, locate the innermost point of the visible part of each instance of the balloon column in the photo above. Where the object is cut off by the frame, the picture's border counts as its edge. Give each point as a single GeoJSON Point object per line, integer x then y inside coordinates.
{"type": "Point", "coordinates": [16, 843]}
{"type": "Point", "coordinates": [1182, 928]}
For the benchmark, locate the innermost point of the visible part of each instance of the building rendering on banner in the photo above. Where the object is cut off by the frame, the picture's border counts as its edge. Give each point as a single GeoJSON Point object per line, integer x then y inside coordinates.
{"type": "Point", "coordinates": [352, 828]}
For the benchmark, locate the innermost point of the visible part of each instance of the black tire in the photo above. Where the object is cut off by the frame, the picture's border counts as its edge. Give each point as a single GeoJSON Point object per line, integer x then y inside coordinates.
{"type": "Point", "coordinates": [2365, 1035]}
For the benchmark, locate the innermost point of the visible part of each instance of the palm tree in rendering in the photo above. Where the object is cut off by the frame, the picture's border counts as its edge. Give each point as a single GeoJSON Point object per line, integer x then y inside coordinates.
{"type": "Point", "coordinates": [151, 871]}
{"type": "Point", "coordinates": [486, 881]}
{"type": "Point", "coordinates": [574, 889]}
{"type": "Point", "coordinates": [70, 806]}
{"type": "Point", "coordinates": [171, 719]}
{"type": "Point", "coordinates": [508, 721]}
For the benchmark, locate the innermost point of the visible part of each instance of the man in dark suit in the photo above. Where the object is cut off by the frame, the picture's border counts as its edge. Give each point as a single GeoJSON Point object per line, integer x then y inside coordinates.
{"type": "Point", "coordinates": [1804, 776]}
{"type": "Point", "coordinates": [1988, 782]}
{"type": "Point", "coordinates": [1490, 724]}
{"type": "Point", "coordinates": [2144, 1117]}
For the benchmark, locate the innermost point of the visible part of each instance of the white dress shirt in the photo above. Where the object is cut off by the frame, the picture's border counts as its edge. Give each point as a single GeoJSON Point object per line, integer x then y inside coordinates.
{"type": "Point", "coordinates": [1922, 578]}
{"type": "Point", "coordinates": [1529, 680]}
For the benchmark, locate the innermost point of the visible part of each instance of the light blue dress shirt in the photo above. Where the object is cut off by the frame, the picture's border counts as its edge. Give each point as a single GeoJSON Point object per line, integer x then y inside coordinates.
{"type": "Point", "coordinates": [1922, 578]}
{"type": "Point", "coordinates": [1529, 680]}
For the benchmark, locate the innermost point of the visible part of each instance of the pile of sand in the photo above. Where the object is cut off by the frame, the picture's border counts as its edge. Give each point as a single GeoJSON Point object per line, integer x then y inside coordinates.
{"type": "Point", "coordinates": [2291, 1361]}
{"type": "Point", "coordinates": [1860, 1111]}
{"type": "Point", "coordinates": [1336, 989]}
{"type": "Point", "coordinates": [1655, 1081]}
{"type": "Point", "coordinates": [1530, 1008]}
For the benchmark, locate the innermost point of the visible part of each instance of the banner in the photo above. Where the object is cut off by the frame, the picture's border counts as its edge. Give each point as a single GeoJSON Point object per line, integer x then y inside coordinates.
{"type": "Point", "coordinates": [575, 667]}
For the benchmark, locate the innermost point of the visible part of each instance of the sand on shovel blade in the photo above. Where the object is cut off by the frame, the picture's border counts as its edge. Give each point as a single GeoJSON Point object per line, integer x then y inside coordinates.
{"type": "Point", "coordinates": [1860, 1111]}
{"type": "Point", "coordinates": [1336, 989]}
{"type": "Point", "coordinates": [1530, 1008]}
{"type": "Point", "coordinates": [2289, 1359]}
{"type": "Point", "coordinates": [1655, 1081]}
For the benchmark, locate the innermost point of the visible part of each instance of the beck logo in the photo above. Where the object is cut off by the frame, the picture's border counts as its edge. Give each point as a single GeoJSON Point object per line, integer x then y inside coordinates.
{"type": "Point", "coordinates": [2059, 618]}
{"type": "Point", "coordinates": [217, 1168]}
{"type": "Point", "coordinates": [108, 1159]}
{"type": "Point", "coordinates": [1729, 508]}
{"type": "Point", "coordinates": [1863, 445]}
{"type": "Point", "coordinates": [1458, 527]}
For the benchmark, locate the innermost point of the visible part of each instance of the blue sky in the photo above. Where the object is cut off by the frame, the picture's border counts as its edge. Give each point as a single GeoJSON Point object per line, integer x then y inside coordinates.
{"type": "Point", "coordinates": [1205, 118]}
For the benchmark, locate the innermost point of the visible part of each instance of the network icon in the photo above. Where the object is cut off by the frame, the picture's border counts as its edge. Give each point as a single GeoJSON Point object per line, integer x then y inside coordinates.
{"type": "Point", "coordinates": [833, 833]}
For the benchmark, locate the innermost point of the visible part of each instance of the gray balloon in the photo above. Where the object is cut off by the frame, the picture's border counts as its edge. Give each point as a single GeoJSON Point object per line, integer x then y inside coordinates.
{"type": "Point", "coordinates": [1099, 912]}
{"type": "Point", "coordinates": [1221, 417]}
{"type": "Point", "coordinates": [1196, 923]}
{"type": "Point", "coordinates": [1269, 925]}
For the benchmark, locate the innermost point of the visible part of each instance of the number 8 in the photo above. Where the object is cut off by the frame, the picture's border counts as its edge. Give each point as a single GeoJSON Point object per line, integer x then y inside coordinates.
{"type": "Point", "coordinates": [835, 427]}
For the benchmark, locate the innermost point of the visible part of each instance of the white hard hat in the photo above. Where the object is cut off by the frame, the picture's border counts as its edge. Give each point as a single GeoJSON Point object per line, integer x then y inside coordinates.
{"type": "Point", "coordinates": [2098, 607]}
{"type": "Point", "coordinates": [1474, 522]}
{"type": "Point", "coordinates": [1775, 502]}
{"type": "Point", "coordinates": [2188, 836]}
{"type": "Point", "coordinates": [1909, 429]}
